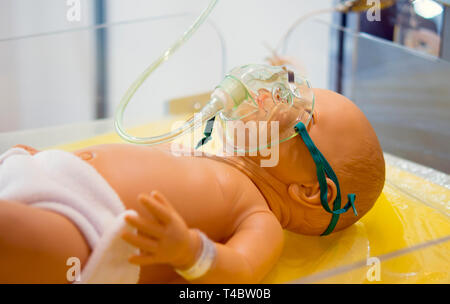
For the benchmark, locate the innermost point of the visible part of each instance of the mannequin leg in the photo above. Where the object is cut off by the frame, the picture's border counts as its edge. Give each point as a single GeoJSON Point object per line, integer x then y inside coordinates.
{"type": "Point", "coordinates": [35, 245]}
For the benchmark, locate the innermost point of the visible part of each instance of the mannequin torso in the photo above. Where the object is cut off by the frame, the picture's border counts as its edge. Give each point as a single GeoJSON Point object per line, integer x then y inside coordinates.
{"type": "Point", "coordinates": [205, 192]}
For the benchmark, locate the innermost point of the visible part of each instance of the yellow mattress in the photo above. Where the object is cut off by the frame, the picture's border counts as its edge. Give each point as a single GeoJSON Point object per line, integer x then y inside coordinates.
{"type": "Point", "coordinates": [405, 238]}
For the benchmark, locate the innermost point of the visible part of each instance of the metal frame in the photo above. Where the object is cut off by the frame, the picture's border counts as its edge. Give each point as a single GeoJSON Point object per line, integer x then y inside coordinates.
{"type": "Point", "coordinates": [343, 52]}
{"type": "Point", "coordinates": [101, 91]}
{"type": "Point", "coordinates": [445, 35]}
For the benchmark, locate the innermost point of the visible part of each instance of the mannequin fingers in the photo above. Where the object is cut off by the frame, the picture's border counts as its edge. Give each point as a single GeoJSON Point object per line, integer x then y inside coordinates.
{"type": "Point", "coordinates": [142, 260]}
{"type": "Point", "coordinates": [160, 211]}
{"type": "Point", "coordinates": [161, 198]}
{"type": "Point", "coordinates": [146, 226]}
{"type": "Point", "coordinates": [140, 242]}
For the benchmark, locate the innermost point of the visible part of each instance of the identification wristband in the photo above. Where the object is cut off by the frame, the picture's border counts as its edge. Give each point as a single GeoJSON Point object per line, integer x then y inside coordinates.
{"type": "Point", "coordinates": [204, 261]}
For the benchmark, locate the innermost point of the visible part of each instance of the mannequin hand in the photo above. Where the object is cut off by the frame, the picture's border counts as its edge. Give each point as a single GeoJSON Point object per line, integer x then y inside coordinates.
{"type": "Point", "coordinates": [163, 236]}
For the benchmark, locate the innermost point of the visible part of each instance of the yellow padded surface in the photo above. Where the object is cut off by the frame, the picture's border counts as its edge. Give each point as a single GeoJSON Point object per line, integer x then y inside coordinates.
{"type": "Point", "coordinates": [411, 212]}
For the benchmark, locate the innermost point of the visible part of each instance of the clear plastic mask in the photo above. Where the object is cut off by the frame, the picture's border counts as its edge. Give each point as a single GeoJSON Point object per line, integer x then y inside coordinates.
{"type": "Point", "coordinates": [277, 99]}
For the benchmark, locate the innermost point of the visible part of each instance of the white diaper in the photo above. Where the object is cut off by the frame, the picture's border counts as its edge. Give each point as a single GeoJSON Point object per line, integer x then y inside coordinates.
{"type": "Point", "coordinates": [61, 182]}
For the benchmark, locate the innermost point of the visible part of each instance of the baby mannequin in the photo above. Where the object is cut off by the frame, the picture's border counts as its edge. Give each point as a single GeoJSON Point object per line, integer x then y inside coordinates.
{"type": "Point", "coordinates": [241, 207]}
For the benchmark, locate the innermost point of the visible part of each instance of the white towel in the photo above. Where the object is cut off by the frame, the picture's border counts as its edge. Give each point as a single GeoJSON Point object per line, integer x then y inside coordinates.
{"type": "Point", "coordinates": [61, 182]}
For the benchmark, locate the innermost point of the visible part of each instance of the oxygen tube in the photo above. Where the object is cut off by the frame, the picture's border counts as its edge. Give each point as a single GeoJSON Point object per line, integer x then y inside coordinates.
{"type": "Point", "coordinates": [219, 100]}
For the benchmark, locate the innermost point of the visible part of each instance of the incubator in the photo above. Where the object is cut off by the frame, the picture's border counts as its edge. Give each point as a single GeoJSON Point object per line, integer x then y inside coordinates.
{"type": "Point", "coordinates": [240, 97]}
{"type": "Point", "coordinates": [408, 229]}
{"type": "Point", "coordinates": [405, 254]}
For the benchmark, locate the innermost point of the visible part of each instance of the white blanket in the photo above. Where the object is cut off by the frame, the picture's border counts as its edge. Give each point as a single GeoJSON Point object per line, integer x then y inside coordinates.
{"type": "Point", "coordinates": [61, 182]}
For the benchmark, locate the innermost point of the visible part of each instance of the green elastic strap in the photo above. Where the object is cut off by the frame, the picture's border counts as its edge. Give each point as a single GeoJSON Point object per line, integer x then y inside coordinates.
{"type": "Point", "coordinates": [323, 168]}
{"type": "Point", "coordinates": [207, 133]}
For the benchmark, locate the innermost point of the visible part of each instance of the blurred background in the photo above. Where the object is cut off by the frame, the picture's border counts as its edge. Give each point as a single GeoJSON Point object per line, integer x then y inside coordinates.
{"type": "Point", "coordinates": [82, 72]}
{"type": "Point", "coordinates": [64, 65]}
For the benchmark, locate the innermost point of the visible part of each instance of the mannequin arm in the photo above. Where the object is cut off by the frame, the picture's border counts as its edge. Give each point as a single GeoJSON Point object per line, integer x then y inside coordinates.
{"type": "Point", "coordinates": [250, 253]}
{"type": "Point", "coordinates": [164, 238]}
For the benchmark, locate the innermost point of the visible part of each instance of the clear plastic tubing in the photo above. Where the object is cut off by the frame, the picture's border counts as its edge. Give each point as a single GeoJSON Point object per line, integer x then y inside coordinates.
{"type": "Point", "coordinates": [217, 103]}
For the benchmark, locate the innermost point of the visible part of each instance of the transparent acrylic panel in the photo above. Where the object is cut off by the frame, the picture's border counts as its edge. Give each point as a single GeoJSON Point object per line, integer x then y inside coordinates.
{"type": "Point", "coordinates": [395, 232]}
{"type": "Point", "coordinates": [59, 78]}
{"type": "Point", "coordinates": [407, 229]}
{"type": "Point", "coordinates": [404, 93]}
{"type": "Point", "coordinates": [422, 264]}
{"type": "Point", "coordinates": [406, 96]}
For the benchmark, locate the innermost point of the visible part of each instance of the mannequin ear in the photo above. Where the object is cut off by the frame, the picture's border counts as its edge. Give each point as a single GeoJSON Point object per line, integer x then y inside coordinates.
{"type": "Point", "coordinates": [313, 120]}
{"type": "Point", "coordinates": [309, 194]}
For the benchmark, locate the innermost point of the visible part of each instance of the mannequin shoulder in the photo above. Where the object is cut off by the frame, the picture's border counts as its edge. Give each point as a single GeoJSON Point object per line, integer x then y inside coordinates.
{"type": "Point", "coordinates": [238, 189]}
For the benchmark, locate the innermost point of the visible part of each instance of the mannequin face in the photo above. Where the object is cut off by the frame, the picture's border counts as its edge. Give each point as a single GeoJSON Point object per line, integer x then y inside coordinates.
{"type": "Point", "coordinates": [257, 124]}
{"type": "Point", "coordinates": [342, 133]}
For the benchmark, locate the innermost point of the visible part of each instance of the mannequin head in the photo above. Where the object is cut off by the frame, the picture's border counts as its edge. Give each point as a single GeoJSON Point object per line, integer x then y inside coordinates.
{"type": "Point", "coordinates": [347, 140]}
